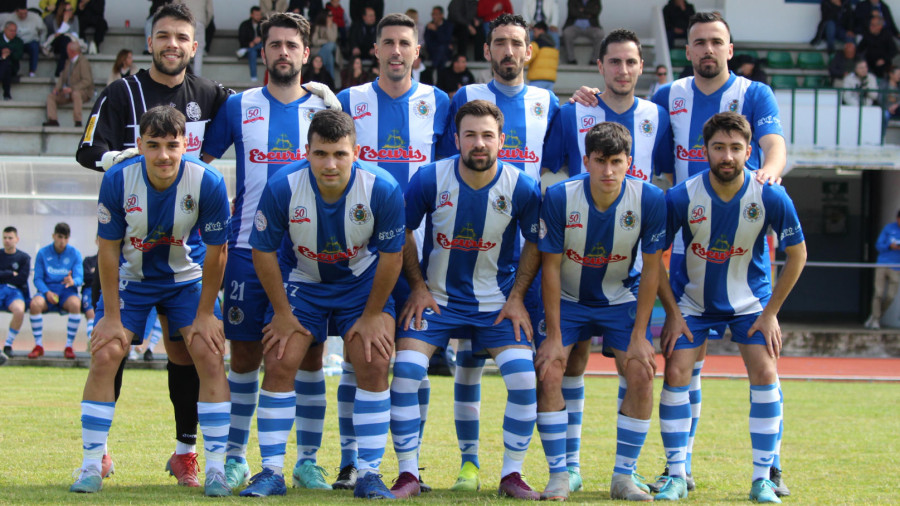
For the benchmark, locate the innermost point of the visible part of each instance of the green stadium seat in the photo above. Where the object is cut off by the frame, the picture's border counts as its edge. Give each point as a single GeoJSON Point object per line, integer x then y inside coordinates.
{"type": "Point", "coordinates": [679, 59]}
{"type": "Point", "coordinates": [780, 60]}
{"type": "Point", "coordinates": [815, 82]}
{"type": "Point", "coordinates": [784, 82]}
{"type": "Point", "coordinates": [749, 52]}
{"type": "Point", "coordinates": [811, 61]}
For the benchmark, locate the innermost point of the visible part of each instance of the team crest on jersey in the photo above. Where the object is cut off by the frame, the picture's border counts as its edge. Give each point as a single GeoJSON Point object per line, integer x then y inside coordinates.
{"type": "Point", "coordinates": [260, 221]}
{"type": "Point", "coordinates": [103, 215]}
{"type": "Point", "coordinates": [678, 107]}
{"type": "Point", "coordinates": [574, 220]}
{"type": "Point", "coordinates": [502, 205]}
{"type": "Point", "coordinates": [628, 220]}
{"type": "Point", "coordinates": [309, 114]}
{"type": "Point", "coordinates": [360, 214]}
{"type": "Point", "coordinates": [132, 204]}
{"type": "Point", "coordinates": [698, 214]}
{"type": "Point", "coordinates": [542, 328]}
{"type": "Point", "coordinates": [538, 110]}
{"type": "Point", "coordinates": [299, 215]}
{"type": "Point", "coordinates": [253, 114]}
{"type": "Point", "coordinates": [192, 111]}
{"type": "Point", "coordinates": [647, 127]}
{"type": "Point", "coordinates": [587, 122]}
{"type": "Point", "coordinates": [361, 111]}
{"type": "Point", "coordinates": [422, 109]}
{"type": "Point", "coordinates": [752, 212]}
{"type": "Point", "coordinates": [188, 204]}
{"type": "Point", "coordinates": [733, 106]}
{"type": "Point", "coordinates": [543, 229]}
{"type": "Point", "coordinates": [444, 200]}
{"type": "Point", "coordinates": [235, 315]}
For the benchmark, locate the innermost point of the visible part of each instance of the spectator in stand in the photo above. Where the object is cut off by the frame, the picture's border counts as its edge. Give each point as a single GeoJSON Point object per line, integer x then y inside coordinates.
{"type": "Point", "coordinates": [662, 77]}
{"type": "Point", "coordinates": [362, 36]}
{"type": "Point", "coordinates": [842, 64]}
{"type": "Point", "coordinates": [583, 21]}
{"type": "Point", "coordinates": [340, 21]}
{"type": "Point", "coordinates": [890, 94]}
{"type": "Point", "coordinates": [354, 74]}
{"type": "Point", "coordinates": [11, 50]}
{"type": "Point", "coordinates": [316, 71]}
{"type": "Point", "coordinates": [323, 40]}
{"type": "Point", "coordinates": [250, 39]}
{"type": "Point", "coordinates": [439, 38]}
{"type": "Point", "coordinates": [887, 279]}
{"type": "Point", "coordinates": [535, 11]}
{"type": "Point", "coordinates": [489, 10]}
{"type": "Point", "coordinates": [75, 84]}
{"type": "Point", "coordinates": [836, 23]}
{"type": "Point", "coordinates": [92, 14]}
{"type": "Point", "coordinates": [15, 266]}
{"type": "Point", "coordinates": [358, 9]}
{"type": "Point", "coordinates": [865, 9]}
{"type": "Point", "coordinates": [62, 28]}
{"type": "Point", "coordinates": [309, 9]}
{"type": "Point", "coordinates": [123, 66]}
{"type": "Point", "coordinates": [676, 14]}
{"type": "Point", "coordinates": [30, 28]}
{"type": "Point", "coordinates": [419, 71]}
{"type": "Point", "coordinates": [155, 5]}
{"type": "Point", "coordinates": [414, 15]}
{"type": "Point", "coordinates": [456, 76]}
{"type": "Point", "coordinates": [878, 46]}
{"type": "Point", "coordinates": [49, 6]}
{"type": "Point", "coordinates": [749, 67]}
{"type": "Point", "coordinates": [544, 58]}
{"type": "Point", "coordinates": [270, 6]}
{"type": "Point", "coordinates": [203, 14]}
{"type": "Point", "coordinates": [466, 26]}
{"type": "Point", "coordinates": [864, 82]}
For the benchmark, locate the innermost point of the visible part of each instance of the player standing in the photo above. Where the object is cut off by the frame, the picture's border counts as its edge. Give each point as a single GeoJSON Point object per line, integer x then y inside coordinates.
{"type": "Point", "coordinates": [268, 127]}
{"type": "Point", "coordinates": [344, 222]}
{"type": "Point", "coordinates": [723, 279]}
{"type": "Point", "coordinates": [398, 123]}
{"type": "Point", "coordinates": [151, 213]}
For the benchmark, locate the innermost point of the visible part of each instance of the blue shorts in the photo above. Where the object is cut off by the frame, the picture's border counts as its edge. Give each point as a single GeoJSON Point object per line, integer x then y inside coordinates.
{"type": "Point", "coordinates": [177, 303]}
{"type": "Point", "coordinates": [400, 293]}
{"type": "Point", "coordinates": [8, 295]}
{"type": "Point", "coordinates": [246, 301]}
{"type": "Point", "coordinates": [339, 312]}
{"type": "Point", "coordinates": [702, 325]}
{"type": "Point", "coordinates": [64, 294]}
{"type": "Point", "coordinates": [580, 323]}
{"type": "Point", "coordinates": [438, 329]}
{"type": "Point", "coordinates": [86, 304]}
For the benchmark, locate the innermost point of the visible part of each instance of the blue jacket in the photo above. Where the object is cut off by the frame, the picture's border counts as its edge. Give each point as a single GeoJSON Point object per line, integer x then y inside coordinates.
{"type": "Point", "coordinates": [890, 234]}
{"type": "Point", "coordinates": [50, 267]}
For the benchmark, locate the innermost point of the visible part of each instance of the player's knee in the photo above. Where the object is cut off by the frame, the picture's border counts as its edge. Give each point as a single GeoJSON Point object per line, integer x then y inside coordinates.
{"type": "Point", "coordinates": [177, 352]}
{"type": "Point", "coordinates": [107, 358]}
{"type": "Point", "coordinates": [246, 356]}
{"type": "Point", "coordinates": [638, 380]}
{"type": "Point", "coordinates": [552, 381]}
{"type": "Point", "coordinates": [37, 305]}
{"type": "Point", "coordinates": [312, 361]}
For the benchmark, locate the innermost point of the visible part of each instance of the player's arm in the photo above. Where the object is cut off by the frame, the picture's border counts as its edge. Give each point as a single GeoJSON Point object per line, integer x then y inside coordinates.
{"type": "Point", "coordinates": [514, 309]}
{"type": "Point", "coordinates": [767, 323]}
{"type": "Point", "coordinates": [420, 297]}
{"type": "Point", "coordinates": [109, 329]}
{"type": "Point", "coordinates": [78, 271]}
{"type": "Point", "coordinates": [106, 130]}
{"type": "Point", "coordinates": [206, 325]}
{"type": "Point", "coordinates": [775, 158]}
{"type": "Point", "coordinates": [371, 326]}
{"type": "Point", "coordinates": [283, 325]}
{"type": "Point", "coordinates": [551, 349]}
{"type": "Point", "coordinates": [39, 282]}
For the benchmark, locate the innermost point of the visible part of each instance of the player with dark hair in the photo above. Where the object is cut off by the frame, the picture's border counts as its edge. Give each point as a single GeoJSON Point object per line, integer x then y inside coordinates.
{"type": "Point", "coordinates": [15, 266]}
{"type": "Point", "coordinates": [57, 276]}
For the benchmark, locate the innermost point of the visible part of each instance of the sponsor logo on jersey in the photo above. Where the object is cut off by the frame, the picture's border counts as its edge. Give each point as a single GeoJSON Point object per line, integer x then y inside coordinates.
{"type": "Point", "coordinates": [574, 220]}
{"type": "Point", "coordinates": [361, 111]}
{"type": "Point", "coordinates": [678, 107]}
{"type": "Point", "coordinates": [299, 215]}
{"type": "Point", "coordinates": [391, 155]}
{"type": "Point", "coordinates": [734, 105]}
{"type": "Point", "coordinates": [192, 111]}
{"type": "Point", "coordinates": [698, 214]}
{"type": "Point", "coordinates": [502, 205]}
{"type": "Point", "coordinates": [598, 257]}
{"type": "Point", "coordinates": [275, 156]}
{"type": "Point", "coordinates": [789, 231]}
{"type": "Point", "coordinates": [260, 221]}
{"type": "Point", "coordinates": [89, 130]}
{"type": "Point", "coordinates": [628, 220]}
{"type": "Point", "coordinates": [638, 173]}
{"type": "Point", "coordinates": [253, 114]}
{"type": "Point", "coordinates": [465, 240]}
{"type": "Point", "coordinates": [422, 109]}
{"type": "Point", "coordinates": [647, 128]}
{"type": "Point", "coordinates": [515, 151]}
{"type": "Point", "coordinates": [157, 238]}
{"type": "Point", "coordinates": [331, 254]}
{"type": "Point", "coordinates": [213, 227]}
{"type": "Point", "coordinates": [193, 142]}
{"type": "Point", "coordinates": [752, 212]}
{"type": "Point", "coordinates": [587, 122]}
{"type": "Point", "coordinates": [188, 204]}
{"type": "Point", "coordinates": [444, 200]}
{"type": "Point", "coordinates": [360, 214]}
{"type": "Point", "coordinates": [235, 315]}
{"type": "Point", "coordinates": [103, 215]}
{"type": "Point", "coordinates": [538, 110]}
{"type": "Point", "coordinates": [132, 204]}
{"type": "Point", "coordinates": [721, 251]}
{"type": "Point", "coordinates": [694, 154]}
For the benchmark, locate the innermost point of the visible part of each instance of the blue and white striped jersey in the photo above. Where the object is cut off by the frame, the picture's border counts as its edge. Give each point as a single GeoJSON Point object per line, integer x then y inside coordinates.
{"type": "Point", "coordinates": [647, 122]}
{"type": "Point", "coordinates": [471, 235]}
{"type": "Point", "coordinates": [526, 119]}
{"type": "Point", "coordinates": [161, 230]}
{"type": "Point", "coordinates": [689, 109]}
{"type": "Point", "coordinates": [725, 267]}
{"type": "Point", "coordinates": [599, 249]}
{"type": "Point", "coordinates": [397, 134]}
{"type": "Point", "coordinates": [329, 244]}
{"type": "Point", "coordinates": [267, 135]}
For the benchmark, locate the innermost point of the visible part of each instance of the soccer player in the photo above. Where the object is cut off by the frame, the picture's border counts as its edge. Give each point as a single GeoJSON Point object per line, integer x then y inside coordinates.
{"type": "Point", "coordinates": [593, 226]}
{"type": "Point", "coordinates": [469, 285]}
{"type": "Point", "coordinates": [723, 279]}
{"type": "Point", "coordinates": [57, 276]}
{"type": "Point", "coordinates": [268, 127]}
{"type": "Point", "coordinates": [399, 122]}
{"type": "Point", "coordinates": [342, 225]}
{"type": "Point", "coordinates": [527, 114]}
{"type": "Point", "coordinates": [151, 212]}
{"type": "Point", "coordinates": [621, 64]}
{"type": "Point", "coordinates": [15, 266]}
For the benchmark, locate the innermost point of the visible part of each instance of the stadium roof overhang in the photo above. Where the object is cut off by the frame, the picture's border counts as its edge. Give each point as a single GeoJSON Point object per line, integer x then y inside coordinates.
{"type": "Point", "coordinates": [842, 160]}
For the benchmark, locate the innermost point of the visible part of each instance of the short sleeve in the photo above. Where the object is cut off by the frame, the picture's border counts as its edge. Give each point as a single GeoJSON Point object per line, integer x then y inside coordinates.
{"type": "Point", "coordinates": [219, 135]}
{"type": "Point", "coordinates": [447, 144]}
{"type": "Point", "coordinates": [417, 203]}
{"type": "Point", "coordinates": [390, 229]}
{"type": "Point", "coordinates": [111, 224]}
{"type": "Point", "coordinates": [554, 151]}
{"type": "Point", "coordinates": [664, 149]}
{"type": "Point", "coordinates": [214, 211]}
{"type": "Point", "coordinates": [673, 216]}
{"type": "Point", "coordinates": [270, 220]}
{"type": "Point", "coordinates": [653, 228]}
{"type": "Point", "coordinates": [782, 216]}
{"type": "Point", "coordinates": [765, 117]}
{"type": "Point", "coordinates": [553, 226]}
{"type": "Point", "coordinates": [528, 203]}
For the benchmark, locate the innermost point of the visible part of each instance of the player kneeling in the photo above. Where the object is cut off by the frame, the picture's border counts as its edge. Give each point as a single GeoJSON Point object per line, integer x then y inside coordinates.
{"type": "Point", "coordinates": [151, 214]}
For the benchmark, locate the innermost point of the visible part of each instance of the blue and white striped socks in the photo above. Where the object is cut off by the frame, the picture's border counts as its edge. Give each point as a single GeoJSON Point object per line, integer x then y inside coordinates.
{"type": "Point", "coordinates": [72, 329]}
{"type": "Point", "coordinates": [96, 419]}
{"type": "Point", "coordinates": [573, 393]}
{"type": "Point", "coordinates": [695, 396]}
{"type": "Point", "coordinates": [467, 401]}
{"type": "Point", "coordinates": [244, 397]}
{"type": "Point", "coordinates": [765, 422]}
{"type": "Point", "coordinates": [424, 399]}
{"type": "Point", "coordinates": [346, 396]}
{"type": "Point", "coordinates": [371, 422]}
{"type": "Point", "coordinates": [552, 429]}
{"type": "Point", "coordinates": [90, 328]}
{"type": "Point", "coordinates": [517, 367]}
{"type": "Point", "coordinates": [37, 328]}
{"type": "Point", "coordinates": [776, 462]}
{"type": "Point", "coordinates": [675, 425]}
{"type": "Point", "coordinates": [410, 368]}
{"type": "Point", "coordinates": [630, 436]}
{"type": "Point", "coordinates": [274, 419]}
{"type": "Point", "coordinates": [310, 413]}
{"type": "Point", "coordinates": [11, 336]}
{"type": "Point", "coordinates": [214, 420]}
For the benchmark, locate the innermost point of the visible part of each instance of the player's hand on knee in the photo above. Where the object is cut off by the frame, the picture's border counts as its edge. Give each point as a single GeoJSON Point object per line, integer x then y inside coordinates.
{"type": "Point", "coordinates": [771, 331]}
{"type": "Point", "coordinates": [641, 351]}
{"type": "Point", "coordinates": [416, 304]}
{"type": "Point", "coordinates": [109, 331]}
{"type": "Point", "coordinates": [586, 96]}
{"type": "Point", "coordinates": [514, 311]}
{"type": "Point", "coordinates": [208, 328]}
{"type": "Point", "coordinates": [674, 327]}
{"type": "Point", "coordinates": [374, 334]}
{"type": "Point", "coordinates": [277, 333]}
{"type": "Point", "coordinates": [550, 352]}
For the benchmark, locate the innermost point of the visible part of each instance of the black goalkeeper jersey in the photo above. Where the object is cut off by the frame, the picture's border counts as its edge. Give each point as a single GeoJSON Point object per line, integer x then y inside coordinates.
{"type": "Point", "coordinates": [114, 124]}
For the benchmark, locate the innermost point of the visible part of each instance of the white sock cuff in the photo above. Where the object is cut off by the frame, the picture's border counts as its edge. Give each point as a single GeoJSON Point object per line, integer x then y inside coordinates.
{"type": "Point", "coordinates": [276, 395]}
{"type": "Point", "coordinates": [347, 367]}
{"type": "Point", "coordinates": [574, 381]}
{"type": "Point", "coordinates": [243, 377]}
{"type": "Point", "coordinates": [310, 376]}
{"type": "Point", "coordinates": [552, 417]}
{"type": "Point", "coordinates": [511, 354]}
{"type": "Point", "coordinates": [213, 407]}
{"type": "Point", "coordinates": [633, 424]}
{"type": "Point", "coordinates": [365, 395]}
{"type": "Point", "coordinates": [413, 357]}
